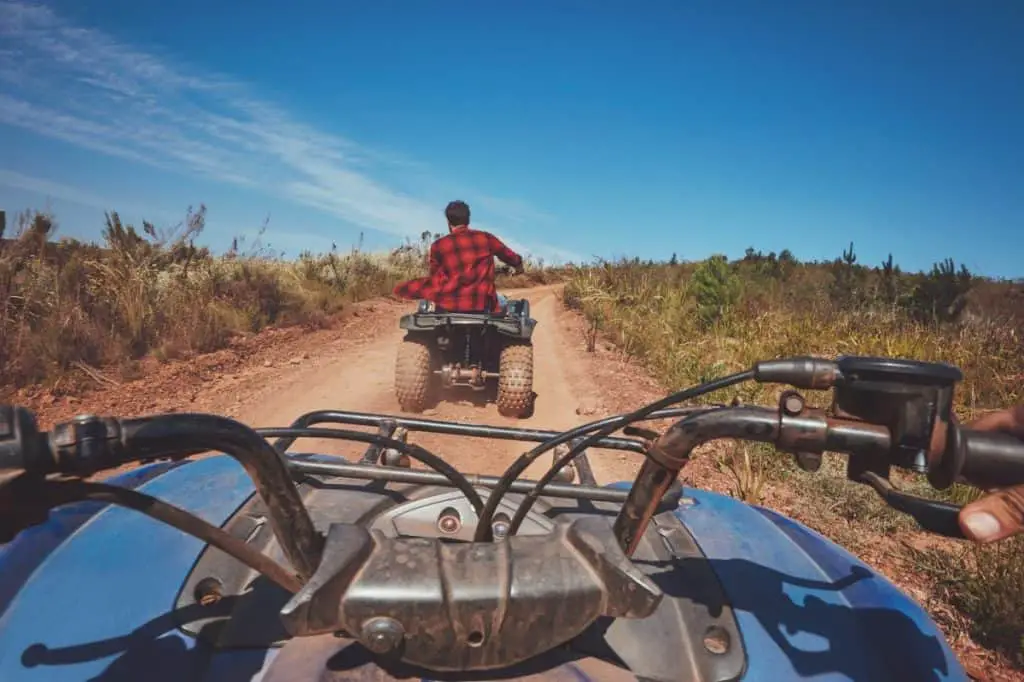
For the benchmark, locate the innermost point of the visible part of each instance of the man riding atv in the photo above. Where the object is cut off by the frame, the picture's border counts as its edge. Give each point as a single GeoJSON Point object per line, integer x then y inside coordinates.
{"type": "Point", "coordinates": [461, 275]}
{"type": "Point", "coordinates": [472, 336]}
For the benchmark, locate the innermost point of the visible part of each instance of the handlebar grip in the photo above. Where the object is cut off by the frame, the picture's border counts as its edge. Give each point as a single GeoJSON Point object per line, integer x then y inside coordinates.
{"type": "Point", "coordinates": [991, 459]}
{"type": "Point", "coordinates": [80, 447]}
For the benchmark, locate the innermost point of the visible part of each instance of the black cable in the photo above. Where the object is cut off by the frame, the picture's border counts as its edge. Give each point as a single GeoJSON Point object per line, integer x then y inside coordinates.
{"type": "Point", "coordinates": [175, 435]}
{"type": "Point", "coordinates": [62, 492]}
{"type": "Point", "coordinates": [558, 465]}
{"type": "Point", "coordinates": [598, 429]}
{"type": "Point", "coordinates": [457, 479]}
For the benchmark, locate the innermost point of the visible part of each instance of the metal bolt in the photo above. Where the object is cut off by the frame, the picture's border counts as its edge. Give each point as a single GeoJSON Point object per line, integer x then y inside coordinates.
{"type": "Point", "coordinates": [394, 458]}
{"type": "Point", "coordinates": [500, 526]}
{"type": "Point", "coordinates": [382, 635]}
{"type": "Point", "coordinates": [208, 591]}
{"type": "Point", "coordinates": [716, 640]}
{"type": "Point", "coordinates": [793, 404]}
{"type": "Point", "coordinates": [449, 521]}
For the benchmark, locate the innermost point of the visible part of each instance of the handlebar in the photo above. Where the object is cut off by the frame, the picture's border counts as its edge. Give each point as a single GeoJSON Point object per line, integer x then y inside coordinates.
{"type": "Point", "coordinates": [884, 413]}
{"type": "Point", "coordinates": [89, 444]}
{"type": "Point", "coordinates": [981, 459]}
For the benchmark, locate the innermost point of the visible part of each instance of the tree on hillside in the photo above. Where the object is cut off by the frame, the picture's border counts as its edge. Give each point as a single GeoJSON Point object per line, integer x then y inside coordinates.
{"type": "Point", "coordinates": [716, 287]}
{"type": "Point", "coordinates": [941, 295]}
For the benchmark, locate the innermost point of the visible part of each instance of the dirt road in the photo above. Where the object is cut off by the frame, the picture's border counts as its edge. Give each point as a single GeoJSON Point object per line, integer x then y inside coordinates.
{"type": "Point", "coordinates": [272, 378]}
{"type": "Point", "coordinates": [361, 376]}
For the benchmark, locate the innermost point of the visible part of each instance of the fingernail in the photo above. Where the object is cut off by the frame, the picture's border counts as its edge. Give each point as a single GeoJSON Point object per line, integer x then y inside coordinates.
{"type": "Point", "coordinates": [982, 525]}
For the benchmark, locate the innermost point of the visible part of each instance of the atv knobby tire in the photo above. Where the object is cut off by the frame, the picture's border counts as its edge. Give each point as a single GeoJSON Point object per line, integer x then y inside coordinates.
{"type": "Point", "coordinates": [414, 376]}
{"type": "Point", "coordinates": [515, 381]}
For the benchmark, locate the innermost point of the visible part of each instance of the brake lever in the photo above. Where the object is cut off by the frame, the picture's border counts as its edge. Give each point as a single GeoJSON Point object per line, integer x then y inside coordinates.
{"type": "Point", "coordinates": [941, 518]}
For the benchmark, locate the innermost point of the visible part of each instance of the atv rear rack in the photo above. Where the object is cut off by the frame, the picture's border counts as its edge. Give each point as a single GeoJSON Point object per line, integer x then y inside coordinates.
{"type": "Point", "coordinates": [519, 327]}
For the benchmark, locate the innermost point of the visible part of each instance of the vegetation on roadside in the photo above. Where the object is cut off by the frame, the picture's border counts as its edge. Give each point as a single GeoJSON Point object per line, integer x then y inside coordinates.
{"type": "Point", "coordinates": [69, 307]}
{"type": "Point", "coordinates": [689, 322]}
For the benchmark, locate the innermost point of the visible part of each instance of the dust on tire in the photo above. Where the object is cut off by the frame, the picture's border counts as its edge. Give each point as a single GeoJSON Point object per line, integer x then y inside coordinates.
{"type": "Point", "coordinates": [515, 380]}
{"type": "Point", "coordinates": [414, 377]}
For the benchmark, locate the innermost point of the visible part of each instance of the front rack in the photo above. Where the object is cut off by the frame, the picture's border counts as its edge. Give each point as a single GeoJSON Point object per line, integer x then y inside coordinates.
{"type": "Point", "coordinates": [369, 466]}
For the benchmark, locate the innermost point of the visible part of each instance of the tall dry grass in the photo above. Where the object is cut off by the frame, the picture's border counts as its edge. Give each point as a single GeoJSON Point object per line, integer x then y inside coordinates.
{"type": "Point", "coordinates": [689, 322]}
{"type": "Point", "coordinates": [68, 304]}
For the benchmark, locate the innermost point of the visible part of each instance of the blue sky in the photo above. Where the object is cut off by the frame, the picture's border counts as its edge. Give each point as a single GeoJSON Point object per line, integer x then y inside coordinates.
{"type": "Point", "coordinates": [574, 129]}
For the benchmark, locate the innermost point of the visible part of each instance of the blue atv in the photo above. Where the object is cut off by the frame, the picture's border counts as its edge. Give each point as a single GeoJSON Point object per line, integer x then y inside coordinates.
{"type": "Point", "coordinates": [266, 564]}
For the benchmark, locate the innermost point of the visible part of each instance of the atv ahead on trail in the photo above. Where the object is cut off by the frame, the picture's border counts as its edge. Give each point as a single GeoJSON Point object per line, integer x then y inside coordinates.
{"type": "Point", "coordinates": [442, 350]}
{"type": "Point", "coordinates": [278, 566]}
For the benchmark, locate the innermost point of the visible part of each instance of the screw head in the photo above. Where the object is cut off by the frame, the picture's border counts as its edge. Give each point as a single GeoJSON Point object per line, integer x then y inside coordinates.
{"type": "Point", "coordinates": [382, 635]}
{"type": "Point", "coordinates": [449, 523]}
{"type": "Point", "coordinates": [208, 591]}
{"type": "Point", "coordinates": [793, 404]}
{"type": "Point", "coordinates": [717, 640]}
{"type": "Point", "coordinates": [501, 526]}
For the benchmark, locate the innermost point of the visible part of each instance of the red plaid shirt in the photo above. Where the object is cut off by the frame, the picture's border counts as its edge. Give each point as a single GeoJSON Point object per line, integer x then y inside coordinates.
{"type": "Point", "coordinates": [461, 272]}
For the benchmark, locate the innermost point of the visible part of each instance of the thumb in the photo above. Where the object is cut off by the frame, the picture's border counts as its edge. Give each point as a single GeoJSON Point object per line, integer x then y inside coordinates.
{"type": "Point", "coordinates": [995, 516]}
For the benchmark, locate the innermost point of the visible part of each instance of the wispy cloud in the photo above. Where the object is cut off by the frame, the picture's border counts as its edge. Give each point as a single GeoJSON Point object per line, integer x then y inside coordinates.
{"type": "Point", "coordinates": [85, 88]}
{"type": "Point", "coordinates": [75, 195]}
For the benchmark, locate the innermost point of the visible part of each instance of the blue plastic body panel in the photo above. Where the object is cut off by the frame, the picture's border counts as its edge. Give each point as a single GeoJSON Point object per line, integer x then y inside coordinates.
{"type": "Point", "coordinates": [87, 595]}
{"type": "Point", "coordinates": [808, 609]}
{"type": "Point", "coordinates": [97, 606]}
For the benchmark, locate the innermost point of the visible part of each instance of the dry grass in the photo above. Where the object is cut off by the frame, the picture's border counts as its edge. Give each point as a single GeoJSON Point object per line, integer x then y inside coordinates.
{"type": "Point", "coordinates": [69, 306]}
{"type": "Point", "coordinates": [689, 322]}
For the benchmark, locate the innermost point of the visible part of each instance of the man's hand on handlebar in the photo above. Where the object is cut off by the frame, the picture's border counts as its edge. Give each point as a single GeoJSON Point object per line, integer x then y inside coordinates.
{"type": "Point", "coordinates": [1000, 513]}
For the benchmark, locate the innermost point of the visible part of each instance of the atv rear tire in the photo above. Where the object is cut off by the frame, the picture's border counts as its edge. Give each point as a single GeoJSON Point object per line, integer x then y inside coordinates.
{"type": "Point", "coordinates": [515, 381]}
{"type": "Point", "coordinates": [414, 375]}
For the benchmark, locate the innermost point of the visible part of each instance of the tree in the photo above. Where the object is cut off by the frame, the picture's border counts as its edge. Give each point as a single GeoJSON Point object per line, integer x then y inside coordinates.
{"type": "Point", "coordinates": [716, 288]}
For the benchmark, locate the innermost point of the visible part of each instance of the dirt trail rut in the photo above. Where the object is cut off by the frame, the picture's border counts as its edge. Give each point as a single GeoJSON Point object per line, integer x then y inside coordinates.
{"type": "Point", "coordinates": [360, 378]}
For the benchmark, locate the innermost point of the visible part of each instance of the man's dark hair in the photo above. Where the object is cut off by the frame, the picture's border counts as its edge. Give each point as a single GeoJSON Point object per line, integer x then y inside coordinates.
{"type": "Point", "coordinates": [457, 213]}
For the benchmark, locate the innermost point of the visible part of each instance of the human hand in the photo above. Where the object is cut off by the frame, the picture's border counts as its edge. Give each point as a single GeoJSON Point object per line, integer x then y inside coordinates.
{"type": "Point", "coordinates": [1000, 513]}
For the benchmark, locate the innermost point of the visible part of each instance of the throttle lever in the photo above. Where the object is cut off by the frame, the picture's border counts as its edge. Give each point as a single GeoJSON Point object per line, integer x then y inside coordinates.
{"type": "Point", "coordinates": [933, 516]}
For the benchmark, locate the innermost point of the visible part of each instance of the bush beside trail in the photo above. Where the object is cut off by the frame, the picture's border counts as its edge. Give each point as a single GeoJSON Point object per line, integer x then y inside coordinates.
{"type": "Point", "coordinates": [70, 307]}
{"type": "Point", "coordinates": [689, 322]}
